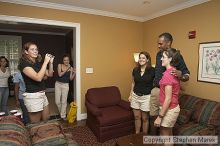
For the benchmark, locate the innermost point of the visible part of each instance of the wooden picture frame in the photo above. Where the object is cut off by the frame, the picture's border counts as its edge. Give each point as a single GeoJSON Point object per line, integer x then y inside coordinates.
{"type": "Point", "coordinates": [209, 62]}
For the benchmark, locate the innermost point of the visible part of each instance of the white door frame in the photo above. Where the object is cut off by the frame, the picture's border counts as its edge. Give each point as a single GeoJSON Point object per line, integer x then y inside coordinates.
{"type": "Point", "coordinates": [80, 116]}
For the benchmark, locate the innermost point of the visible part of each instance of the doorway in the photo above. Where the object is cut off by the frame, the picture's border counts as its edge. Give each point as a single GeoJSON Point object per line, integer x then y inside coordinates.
{"type": "Point", "coordinates": [75, 50]}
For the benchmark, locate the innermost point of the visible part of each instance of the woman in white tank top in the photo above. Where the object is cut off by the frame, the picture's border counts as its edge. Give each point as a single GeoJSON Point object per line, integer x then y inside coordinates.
{"type": "Point", "coordinates": [4, 90]}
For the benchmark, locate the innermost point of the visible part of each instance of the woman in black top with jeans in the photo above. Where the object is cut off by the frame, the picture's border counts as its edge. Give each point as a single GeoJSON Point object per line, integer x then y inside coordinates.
{"type": "Point", "coordinates": [142, 85]}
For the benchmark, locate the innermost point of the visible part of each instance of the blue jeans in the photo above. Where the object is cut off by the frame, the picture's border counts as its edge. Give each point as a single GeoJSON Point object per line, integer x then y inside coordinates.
{"type": "Point", "coordinates": [24, 111]}
{"type": "Point", "coordinates": [4, 93]}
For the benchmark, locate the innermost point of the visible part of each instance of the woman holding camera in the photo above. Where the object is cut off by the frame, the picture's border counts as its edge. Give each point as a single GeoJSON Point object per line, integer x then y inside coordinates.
{"type": "Point", "coordinates": [34, 73]}
{"type": "Point", "coordinates": [65, 74]}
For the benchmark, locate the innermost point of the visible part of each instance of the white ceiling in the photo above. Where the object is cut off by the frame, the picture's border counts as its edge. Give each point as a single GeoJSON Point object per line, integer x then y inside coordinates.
{"type": "Point", "coordinates": [138, 10]}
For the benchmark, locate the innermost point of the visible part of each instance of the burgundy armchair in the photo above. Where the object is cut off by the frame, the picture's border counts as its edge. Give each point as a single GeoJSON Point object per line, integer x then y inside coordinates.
{"type": "Point", "coordinates": [107, 115]}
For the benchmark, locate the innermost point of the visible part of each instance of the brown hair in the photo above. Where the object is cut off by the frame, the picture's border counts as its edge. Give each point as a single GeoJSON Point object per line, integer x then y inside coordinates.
{"type": "Point", "coordinates": [174, 54]}
{"type": "Point", "coordinates": [7, 62]}
{"type": "Point", "coordinates": [66, 55]}
{"type": "Point", "coordinates": [147, 55]}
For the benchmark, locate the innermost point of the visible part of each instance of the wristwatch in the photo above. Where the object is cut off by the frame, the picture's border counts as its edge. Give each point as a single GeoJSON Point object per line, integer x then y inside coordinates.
{"type": "Point", "coordinates": [183, 77]}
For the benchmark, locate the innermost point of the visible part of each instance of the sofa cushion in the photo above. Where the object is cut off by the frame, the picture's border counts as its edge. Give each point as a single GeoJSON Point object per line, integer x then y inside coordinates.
{"type": "Point", "coordinates": [194, 129]}
{"type": "Point", "coordinates": [45, 134]}
{"type": "Point", "coordinates": [207, 112]}
{"type": "Point", "coordinates": [13, 132]}
{"type": "Point", "coordinates": [103, 96]}
{"type": "Point", "coordinates": [184, 116]}
{"type": "Point", "coordinates": [188, 101]}
{"type": "Point", "coordinates": [113, 115]}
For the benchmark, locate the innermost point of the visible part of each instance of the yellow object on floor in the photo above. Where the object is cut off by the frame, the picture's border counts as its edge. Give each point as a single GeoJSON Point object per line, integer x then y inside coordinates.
{"type": "Point", "coordinates": [71, 116]}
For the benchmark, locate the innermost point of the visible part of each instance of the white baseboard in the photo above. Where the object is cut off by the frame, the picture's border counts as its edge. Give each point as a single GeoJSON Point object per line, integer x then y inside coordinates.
{"type": "Point", "coordinates": [82, 117]}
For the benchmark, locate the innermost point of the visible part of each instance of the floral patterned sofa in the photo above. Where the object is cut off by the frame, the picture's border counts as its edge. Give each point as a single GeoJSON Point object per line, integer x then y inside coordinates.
{"type": "Point", "coordinates": [198, 117]}
{"type": "Point", "coordinates": [14, 133]}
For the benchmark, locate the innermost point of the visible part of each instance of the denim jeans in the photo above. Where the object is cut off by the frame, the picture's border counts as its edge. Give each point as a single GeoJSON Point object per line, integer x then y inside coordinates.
{"type": "Point", "coordinates": [24, 111]}
{"type": "Point", "coordinates": [4, 93]}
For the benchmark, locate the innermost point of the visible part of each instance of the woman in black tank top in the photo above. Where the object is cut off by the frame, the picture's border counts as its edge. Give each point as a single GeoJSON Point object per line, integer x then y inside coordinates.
{"type": "Point", "coordinates": [65, 74]}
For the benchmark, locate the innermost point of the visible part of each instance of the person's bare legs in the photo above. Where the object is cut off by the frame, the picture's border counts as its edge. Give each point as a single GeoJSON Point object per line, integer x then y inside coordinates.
{"type": "Point", "coordinates": [35, 117]}
{"type": "Point", "coordinates": [137, 116]}
{"type": "Point", "coordinates": [145, 119]}
{"type": "Point", "coordinates": [165, 131]}
{"type": "Point", "coordinates": [45, 113]}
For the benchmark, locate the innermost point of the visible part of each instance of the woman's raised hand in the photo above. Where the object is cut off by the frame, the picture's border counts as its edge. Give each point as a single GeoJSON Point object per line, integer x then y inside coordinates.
{"type": "Point", "coordinates": [73, 70]}
{"type": "Point", "coordinates": [47, 58]}
{"type": "Point", "coordinates": [51, 59]}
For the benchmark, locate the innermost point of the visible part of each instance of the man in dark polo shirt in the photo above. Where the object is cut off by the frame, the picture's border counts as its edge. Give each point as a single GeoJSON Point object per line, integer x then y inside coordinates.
{"type": "Point", "coordinates": [164, 42]}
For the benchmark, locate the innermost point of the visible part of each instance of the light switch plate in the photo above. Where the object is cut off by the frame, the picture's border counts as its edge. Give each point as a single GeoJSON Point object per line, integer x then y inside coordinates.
{"type": "Point", "coordinates": [89, 70]}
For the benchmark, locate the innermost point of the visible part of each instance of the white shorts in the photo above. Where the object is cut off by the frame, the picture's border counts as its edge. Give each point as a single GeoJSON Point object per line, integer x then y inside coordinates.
{"type": "Point", "coordinates": [35, 102]}
{"type": "Point", "coordinates": [170, 117]}
{"type": "Point", "coordinates": [140, 102]}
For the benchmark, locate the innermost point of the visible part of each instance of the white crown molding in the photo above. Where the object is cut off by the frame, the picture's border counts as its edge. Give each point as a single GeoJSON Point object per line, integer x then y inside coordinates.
{"type": "Point", "coordinates": [33, 32]}
{"type": "Point", "coordinates": [37, 3]}
{"type": "Point", "coordinates": [175, 8]}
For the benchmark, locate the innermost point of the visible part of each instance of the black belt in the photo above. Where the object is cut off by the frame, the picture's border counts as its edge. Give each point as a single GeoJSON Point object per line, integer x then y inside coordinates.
{"type": "Point", "coordinates": [140, 94]}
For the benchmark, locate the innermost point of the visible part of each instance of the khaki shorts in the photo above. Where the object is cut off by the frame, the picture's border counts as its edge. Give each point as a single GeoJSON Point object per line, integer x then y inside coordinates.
{"type": "Point", "coordinates": [170, 117]}
{"type": "Point", "coordinates": [140, 102]}
{"type": "Point", "coordinates": [35, 102]}
{"type": "Point", "coordinates": [154, 101]}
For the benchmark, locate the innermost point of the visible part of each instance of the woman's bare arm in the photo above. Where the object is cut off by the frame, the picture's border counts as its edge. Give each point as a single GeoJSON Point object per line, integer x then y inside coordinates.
{"type": "Point", "coordinates": [37, 76]}
{"type": "Point", "coordinates": [168, 95]}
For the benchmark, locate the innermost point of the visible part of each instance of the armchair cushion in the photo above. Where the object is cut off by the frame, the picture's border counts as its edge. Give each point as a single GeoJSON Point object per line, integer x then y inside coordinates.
{"type": "Point", "coordinates": [114, 115]}
{"type": "Point", "coordinates": [125, 104]}
{"type": "Point", "coordinates": [93, 109]}
{"type": "Point", "coordinates": [107, 115]}
{"type": "Point", "coordinates": [104, 96]}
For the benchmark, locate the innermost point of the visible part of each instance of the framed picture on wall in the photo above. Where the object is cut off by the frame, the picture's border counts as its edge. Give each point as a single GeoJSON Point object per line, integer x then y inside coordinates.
{"type": "Point", "coordinates": [209, 62]}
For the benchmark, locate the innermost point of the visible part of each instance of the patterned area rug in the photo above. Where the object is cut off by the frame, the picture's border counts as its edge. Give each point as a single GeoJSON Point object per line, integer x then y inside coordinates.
{"type": "Point", "coordinates": [83, 136]}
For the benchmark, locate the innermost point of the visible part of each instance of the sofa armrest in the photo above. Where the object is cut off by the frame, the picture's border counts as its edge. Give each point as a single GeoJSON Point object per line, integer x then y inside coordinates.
{"type": "Point", "coordinates": [125, 104]}
{"type": "Point", "coordinates": [93, 109]}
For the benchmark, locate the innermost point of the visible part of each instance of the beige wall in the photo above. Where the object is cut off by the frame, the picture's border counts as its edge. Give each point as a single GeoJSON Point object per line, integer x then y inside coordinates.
{"type": "Point", "coordinates": [107, 45]}
{"type": "Point", "coordinates": [205, 20]}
